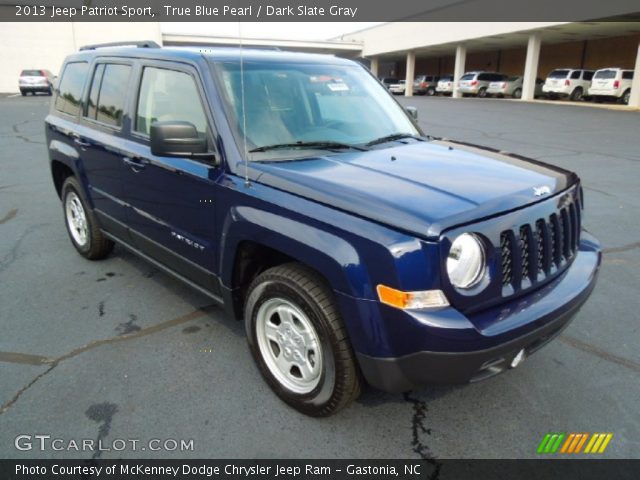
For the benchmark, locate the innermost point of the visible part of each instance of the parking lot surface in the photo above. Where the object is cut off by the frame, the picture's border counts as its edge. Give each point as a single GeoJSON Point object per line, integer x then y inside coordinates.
{"type": "Point", "coordinates": [117, 350]}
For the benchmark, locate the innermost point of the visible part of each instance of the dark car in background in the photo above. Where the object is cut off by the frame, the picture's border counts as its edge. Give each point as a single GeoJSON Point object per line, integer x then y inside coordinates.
{"type": "Point", "coordinates": [425, 85]}
{"type": "Point", "coordinates": [294, 191]}
{"type": "Point", "coordinates": [388, 81]}
{"type": "Point", "coordinates": [33, 81]}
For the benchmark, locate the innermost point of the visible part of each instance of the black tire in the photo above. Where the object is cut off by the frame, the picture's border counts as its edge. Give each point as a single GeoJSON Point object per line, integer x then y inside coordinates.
{"type": "Point", "coordinates": [50, 91]}
{"type": "Point", "coordinates": [482, 93]}
{"type": "Point", "coordinates": [431, 91]}
{"type": "Point", "coordinates": [97, 246]}
{"type": "Point", "coordinates": [24, 94]}
{"type": "Point", "coordinates": [517, 93]}
{"type": "Point", "coordinates": [624, 99]}
{"type": "Point", "coordinates": [576, 95]}
{"type": "Point", "coordinates": [339, 379]}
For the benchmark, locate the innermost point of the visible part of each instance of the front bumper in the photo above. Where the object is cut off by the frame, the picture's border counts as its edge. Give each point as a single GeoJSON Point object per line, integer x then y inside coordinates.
{"type": "Point", "coordinates": [471, 352]}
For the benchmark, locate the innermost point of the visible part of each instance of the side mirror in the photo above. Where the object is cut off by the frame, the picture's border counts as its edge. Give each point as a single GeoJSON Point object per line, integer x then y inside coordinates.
{"type": "Point", "coordinates": [413, 111]}
{"type": "Point", "coordinates": [178, 139]}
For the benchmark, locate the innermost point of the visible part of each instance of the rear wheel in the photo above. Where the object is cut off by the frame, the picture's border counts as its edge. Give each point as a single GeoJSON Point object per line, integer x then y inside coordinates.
{"type": "Point", "coordinates": [482, 92]}
{"type": "Point", "coordinates": [626, 96]}
{"type": "Point", "coordinates": [298, 341]}
{"type": "Point", "coordinates": [576, 95]}
{"type": "Point", "coordinates": [24, 94]}
{"type": "Point", "coordinates": [431, 91]}
{"type": "Point", "coordinates": [517, 93]}
{"type": "Point", "coordinates": [81, 223]}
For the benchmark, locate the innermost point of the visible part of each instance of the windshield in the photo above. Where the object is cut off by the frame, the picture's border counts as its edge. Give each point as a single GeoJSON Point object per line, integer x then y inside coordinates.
{"type": "Point", "coordinates": [289, 103]}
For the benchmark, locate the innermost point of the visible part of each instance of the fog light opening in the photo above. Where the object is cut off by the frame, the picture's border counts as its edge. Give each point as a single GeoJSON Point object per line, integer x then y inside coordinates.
{"type": "Point", "coordinates": [518, 359]}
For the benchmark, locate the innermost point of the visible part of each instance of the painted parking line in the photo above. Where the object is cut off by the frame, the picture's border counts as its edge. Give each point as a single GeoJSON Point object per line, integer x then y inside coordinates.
{"type": "Point", "coordinates": [14, 95]}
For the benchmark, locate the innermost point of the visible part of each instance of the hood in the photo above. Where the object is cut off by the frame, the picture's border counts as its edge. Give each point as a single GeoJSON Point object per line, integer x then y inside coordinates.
{"type": "Point", "coordinates": [423, 188]}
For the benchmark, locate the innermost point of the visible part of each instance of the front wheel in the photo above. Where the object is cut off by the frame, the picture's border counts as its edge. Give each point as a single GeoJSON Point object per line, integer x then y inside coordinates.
{"type": "Point", "coordinates": [298, 341]}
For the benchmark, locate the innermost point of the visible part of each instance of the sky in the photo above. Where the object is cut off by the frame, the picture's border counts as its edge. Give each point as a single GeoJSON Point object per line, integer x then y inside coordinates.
{"type": "Point", "coordinates": [269, 30]}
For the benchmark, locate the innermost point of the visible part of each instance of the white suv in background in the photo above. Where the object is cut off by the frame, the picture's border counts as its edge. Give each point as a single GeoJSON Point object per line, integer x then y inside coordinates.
{"type": "Point", "coordinates": [568, 82]}
{"type": "Point", "coordinates": [614, 83]}
{"type": "Point", "coordinates": [445, 85]}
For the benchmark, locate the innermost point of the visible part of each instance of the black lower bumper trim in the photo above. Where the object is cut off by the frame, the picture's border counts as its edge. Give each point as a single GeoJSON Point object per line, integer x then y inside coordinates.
{"type": "Point", "coordinates": [405, 373]}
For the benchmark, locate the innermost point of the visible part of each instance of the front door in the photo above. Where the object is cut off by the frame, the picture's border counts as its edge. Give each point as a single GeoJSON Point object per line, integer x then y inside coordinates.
{"type": "Point", "coordinates": [172, 200]}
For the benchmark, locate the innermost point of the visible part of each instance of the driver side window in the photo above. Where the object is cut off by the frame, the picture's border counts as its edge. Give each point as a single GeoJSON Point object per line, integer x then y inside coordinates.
{"type": "Point", "coordinates": [168, 95]}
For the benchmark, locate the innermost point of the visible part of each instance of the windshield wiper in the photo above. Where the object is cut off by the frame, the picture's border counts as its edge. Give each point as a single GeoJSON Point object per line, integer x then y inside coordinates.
{"type": "Point", "coordinates": [315, 144]}
{"type": "Point", "coordinates": [394, 136]}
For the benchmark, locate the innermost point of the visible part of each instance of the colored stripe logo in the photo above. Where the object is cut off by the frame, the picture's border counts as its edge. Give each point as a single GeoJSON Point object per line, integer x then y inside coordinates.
{"type": "Point", "coordinates": [572, 443]}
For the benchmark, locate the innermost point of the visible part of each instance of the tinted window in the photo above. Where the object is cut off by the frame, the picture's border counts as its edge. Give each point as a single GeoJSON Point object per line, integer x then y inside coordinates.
{"type": "Point", "coordinates": [513, 79]}
{"type": "Point", "coordinates": [113, 93]}
{"type": "Point", "coordinates": [587, 75]}
{"type": "Point", "coordinates": [168, 95]}
{"type": "Point", "coordinates": [447, 78]}
{"type": "Point", "coordinates": [31, 73]}
{"type": "Point", "coordinates": [468, 76]}
{"type": "Point", "coordinates": [605, 74]}
{"type": "Point", "coordinates": [628, 75]}
{"type": "Point", "coordinates": [70, 88]}
{"type": "Point", "coordinates": [559, 74]}
{"type": "Point", "coordinates": [93, 93]}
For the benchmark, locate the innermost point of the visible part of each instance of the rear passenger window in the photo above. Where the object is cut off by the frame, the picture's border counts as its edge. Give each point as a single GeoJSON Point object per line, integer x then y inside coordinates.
{"type": "Point", "coordinates": [168, 95]}
{"type": "Point", "coordinates": [575, 75]}
{"type": "Point", "coordinates": [627, 75]}
{"type": "Point", "coordinates": [588, 75]}
{"type": "Point", "coordinates": [70, 88]}
{"type": "Point", "coordinates": [108, 93]}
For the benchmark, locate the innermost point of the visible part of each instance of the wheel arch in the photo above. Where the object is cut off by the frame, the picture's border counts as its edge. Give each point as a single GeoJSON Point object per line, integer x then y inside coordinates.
{"type": "Point", "coordinates": [254, 240]}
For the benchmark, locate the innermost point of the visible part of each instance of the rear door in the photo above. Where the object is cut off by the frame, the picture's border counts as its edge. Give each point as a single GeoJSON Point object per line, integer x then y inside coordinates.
{"type": "Point", "coordinates": [100, 137]}
{"type": "Point", "coordinates": [172, 200]}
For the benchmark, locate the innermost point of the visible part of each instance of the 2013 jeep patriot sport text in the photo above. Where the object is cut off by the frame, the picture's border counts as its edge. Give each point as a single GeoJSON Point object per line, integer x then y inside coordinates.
{"type": "Point", "coordinates": [295, 191]}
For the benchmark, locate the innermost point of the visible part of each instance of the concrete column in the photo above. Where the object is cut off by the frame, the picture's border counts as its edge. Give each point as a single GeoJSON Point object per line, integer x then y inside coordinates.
{"type": "Point", "coordinates": [374, 66]}
{"type": "Point", "coordinates": [634, 101]}
{"type": "Point", "coordinates": [531, 67]}
{"type": "Point", "coordinates": [411, 74]}
{"type": "Point", "coordinates": [458, 69]}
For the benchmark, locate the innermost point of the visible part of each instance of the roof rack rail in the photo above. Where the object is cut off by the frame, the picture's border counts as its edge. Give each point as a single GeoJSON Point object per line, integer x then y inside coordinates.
{"type": "Point", "coordinates": [134, 43]}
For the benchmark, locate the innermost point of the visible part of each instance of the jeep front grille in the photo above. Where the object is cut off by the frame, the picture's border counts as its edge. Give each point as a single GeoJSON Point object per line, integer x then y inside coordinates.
{"type": "Point", "coordinates": [531, 252]}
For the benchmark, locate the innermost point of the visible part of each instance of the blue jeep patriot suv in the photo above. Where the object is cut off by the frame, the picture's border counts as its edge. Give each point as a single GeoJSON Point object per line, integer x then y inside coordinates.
{"type": "Point", "coordinates": [297, 193]}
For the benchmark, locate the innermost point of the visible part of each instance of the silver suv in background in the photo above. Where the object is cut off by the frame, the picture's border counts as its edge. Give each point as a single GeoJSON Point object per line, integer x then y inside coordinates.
{"type": "Point", "coordinates": [568, 82]}
{"type": "Point", "coordinates": [445, 85]}
{"type": "Point", "coordinates": [612, 83]}
{"type": "Point", "coordinates": [425, 85]}
{"type": "Point", "coordinates": [477, 83]}
{"type": "Point", "coordinates": [512, 87]}
{"type": "Point", "coordinates": [32, 81]}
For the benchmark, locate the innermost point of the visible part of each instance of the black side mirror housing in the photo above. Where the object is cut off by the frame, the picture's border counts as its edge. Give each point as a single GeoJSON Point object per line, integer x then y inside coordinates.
{"type": "Point", "coordinates": [178, 139]}
{"type": "Point", "coordinates": [413, 111]}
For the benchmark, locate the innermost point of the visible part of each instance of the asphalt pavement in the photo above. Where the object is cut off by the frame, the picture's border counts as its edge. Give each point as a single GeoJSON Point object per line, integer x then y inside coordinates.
{"type": "Point", "coordinates": [116, 350]}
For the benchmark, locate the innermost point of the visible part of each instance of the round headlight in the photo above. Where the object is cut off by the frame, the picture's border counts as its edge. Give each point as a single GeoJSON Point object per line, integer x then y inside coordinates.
{"type": "Point", "coordinates": [465, 263]}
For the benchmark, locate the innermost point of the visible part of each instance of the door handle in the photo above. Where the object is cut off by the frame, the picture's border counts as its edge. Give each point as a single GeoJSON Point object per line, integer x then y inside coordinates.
{"type": "Point", "coordinates": [136, 164]}
{"type": "Point", "coordinates": [81, 143]}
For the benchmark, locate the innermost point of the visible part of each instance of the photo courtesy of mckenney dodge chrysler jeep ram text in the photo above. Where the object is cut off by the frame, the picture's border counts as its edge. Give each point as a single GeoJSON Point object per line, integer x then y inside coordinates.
{"type": "Point", "coordinates": [296, 192]}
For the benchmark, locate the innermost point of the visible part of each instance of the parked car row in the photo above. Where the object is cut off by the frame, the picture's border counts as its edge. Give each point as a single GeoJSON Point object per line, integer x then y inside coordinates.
{"type": "Point", "coordinates": [569, 83]}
